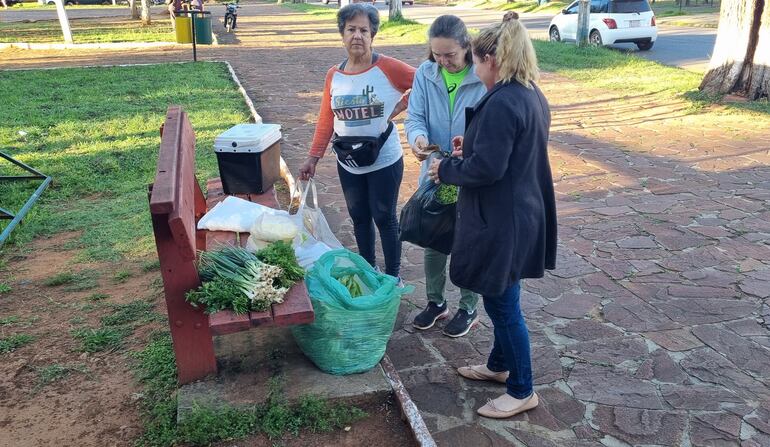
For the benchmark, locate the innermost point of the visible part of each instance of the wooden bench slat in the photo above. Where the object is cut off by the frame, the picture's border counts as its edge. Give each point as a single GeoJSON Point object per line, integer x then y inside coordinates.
{"type": "Point", "coordinates": [216, 239]}
{"type": "Point", "coordinates": [296, 307]}
{"type": "Point", "coordinates": [262, 318]}
{"type": "Point", "coordinates": [228, 322]}
{"type": "Point", "coordinates": [166, 175]}
{"type": "Point", "coordinates": [182, 217]}
{"type": "Point", "coordinates": [214, 192]}
{"type": "Point", "coordinates": [268, 198]}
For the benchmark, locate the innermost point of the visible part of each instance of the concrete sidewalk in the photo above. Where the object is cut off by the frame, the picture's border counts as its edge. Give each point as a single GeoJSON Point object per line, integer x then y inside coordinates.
{"type": "Point", "coordinates": [653, 330]}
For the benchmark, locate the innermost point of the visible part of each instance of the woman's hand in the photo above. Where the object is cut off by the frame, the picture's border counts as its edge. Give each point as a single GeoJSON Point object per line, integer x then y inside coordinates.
{"type": "Point", "coordinates": [418, 148]}
{"type": "Point", "coordinates": [402, 104]}
{"type": "Point", "coordinates": [457, 146]}
{"type": "Point", "coordinates": [433, 171]}
{"type": "Point", "coordinates": [307, 171]}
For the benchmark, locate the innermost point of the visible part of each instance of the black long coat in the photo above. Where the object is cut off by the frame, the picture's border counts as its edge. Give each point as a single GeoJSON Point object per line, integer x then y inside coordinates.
{"type": "Point", "coordinates": [506, 211]}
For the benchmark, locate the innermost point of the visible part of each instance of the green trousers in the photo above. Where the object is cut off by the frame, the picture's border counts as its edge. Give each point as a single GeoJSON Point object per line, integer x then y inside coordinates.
{"type": "Point", "coordinates": [435, 280]}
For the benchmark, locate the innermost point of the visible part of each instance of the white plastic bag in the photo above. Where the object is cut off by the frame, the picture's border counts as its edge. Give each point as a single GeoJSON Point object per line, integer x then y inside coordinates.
{"type": "Point", "coordinates": [254, 245]}
{"type": "Point", "coordinates": [314, 237]}
{"type": "Point", "coordinates": [234, 214]}
{"type": "Point", "coordinates": [274, 227]}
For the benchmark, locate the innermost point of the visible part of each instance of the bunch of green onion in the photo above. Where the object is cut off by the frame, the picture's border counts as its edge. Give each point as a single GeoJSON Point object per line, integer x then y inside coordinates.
{"type": "Point", "coordinates": [253, 277]}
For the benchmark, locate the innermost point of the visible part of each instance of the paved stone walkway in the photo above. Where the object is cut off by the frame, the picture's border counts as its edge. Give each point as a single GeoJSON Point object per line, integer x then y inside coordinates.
{"type": "Point", "coordinates": [654, 328]}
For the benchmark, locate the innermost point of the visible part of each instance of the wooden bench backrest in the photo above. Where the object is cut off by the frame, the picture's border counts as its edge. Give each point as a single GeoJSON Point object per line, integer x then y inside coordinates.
{"type": "Point", "coordinates": [176, 201]}
{"type": "Point", "coordinates": [176, 191]}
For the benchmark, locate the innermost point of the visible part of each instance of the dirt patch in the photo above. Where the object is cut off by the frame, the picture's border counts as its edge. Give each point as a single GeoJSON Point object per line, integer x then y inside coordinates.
{"type": "Point", "coordinates": [53, 394]}
{"type": "Point", "coordinates": [382, 428]}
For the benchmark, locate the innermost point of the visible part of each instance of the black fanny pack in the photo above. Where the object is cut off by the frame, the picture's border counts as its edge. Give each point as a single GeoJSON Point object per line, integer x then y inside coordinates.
{"type": "Point", "coordinates": [358, 152]}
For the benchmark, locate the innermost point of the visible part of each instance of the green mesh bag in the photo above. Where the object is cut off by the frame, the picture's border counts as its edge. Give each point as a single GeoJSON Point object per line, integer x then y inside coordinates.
{"type": "Point", "coordinates": [349, 333]}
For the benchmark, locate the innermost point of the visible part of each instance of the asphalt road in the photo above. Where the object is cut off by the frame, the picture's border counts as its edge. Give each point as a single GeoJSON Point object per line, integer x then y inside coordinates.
{"type": "Point", "coordinates": [678, 46]}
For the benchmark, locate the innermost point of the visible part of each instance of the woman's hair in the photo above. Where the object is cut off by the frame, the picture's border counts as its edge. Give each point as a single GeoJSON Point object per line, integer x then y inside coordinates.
{"type": "Point", "coordinates": [451, 27]}
{"type": "Point", "coordinates": [358, 9]}
{"type": "Point", "coordinates": [510, 44]}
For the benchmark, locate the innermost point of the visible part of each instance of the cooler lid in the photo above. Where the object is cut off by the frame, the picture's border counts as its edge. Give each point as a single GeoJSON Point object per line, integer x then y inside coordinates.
{"type": "Point", "coordinates": [247, 138]}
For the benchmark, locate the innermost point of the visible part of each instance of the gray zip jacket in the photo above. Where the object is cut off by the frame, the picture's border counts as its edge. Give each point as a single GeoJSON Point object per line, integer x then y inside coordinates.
{"type": "Point", "coordinates": [428, 112]}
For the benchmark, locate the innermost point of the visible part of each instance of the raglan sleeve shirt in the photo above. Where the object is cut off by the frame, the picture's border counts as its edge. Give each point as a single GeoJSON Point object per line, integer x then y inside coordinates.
{"type": "Point", "coordinates": [338, 85]}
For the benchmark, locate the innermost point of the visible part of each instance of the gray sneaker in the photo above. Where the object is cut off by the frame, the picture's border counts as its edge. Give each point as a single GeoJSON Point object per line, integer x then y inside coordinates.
{"type": "Point", "coordinates": [428, 317]}
{"type": "Point", "coordinates": [461, 323]}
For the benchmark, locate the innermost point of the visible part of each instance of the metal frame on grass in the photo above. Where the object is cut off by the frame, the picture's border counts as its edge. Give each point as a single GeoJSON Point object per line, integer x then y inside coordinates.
{"type": "Point", "coordinates": [16, 218]}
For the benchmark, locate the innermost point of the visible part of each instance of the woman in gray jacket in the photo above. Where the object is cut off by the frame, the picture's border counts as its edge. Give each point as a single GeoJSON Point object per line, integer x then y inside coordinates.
{"type": "Point", "coordinates": [443, 87]}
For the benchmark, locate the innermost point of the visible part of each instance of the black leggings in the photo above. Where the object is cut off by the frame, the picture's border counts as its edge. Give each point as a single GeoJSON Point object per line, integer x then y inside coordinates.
{"type": "Point", "coordinates": [371, 199]}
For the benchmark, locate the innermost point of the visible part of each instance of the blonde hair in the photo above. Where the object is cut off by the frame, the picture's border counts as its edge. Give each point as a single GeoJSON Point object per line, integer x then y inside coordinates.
{"type": "Point", "coordinates": [510, 44]}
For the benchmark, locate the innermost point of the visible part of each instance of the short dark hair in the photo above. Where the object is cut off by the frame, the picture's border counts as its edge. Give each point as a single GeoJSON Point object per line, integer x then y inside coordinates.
{"type": "Point", "coordinates": [451, 27]}
{"type": "Point", "coordinates": [359, 9]}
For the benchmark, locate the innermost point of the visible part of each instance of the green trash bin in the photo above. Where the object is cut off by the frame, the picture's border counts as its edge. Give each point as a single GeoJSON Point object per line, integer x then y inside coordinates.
{"type": "Point", "coordinates": [203, 29]}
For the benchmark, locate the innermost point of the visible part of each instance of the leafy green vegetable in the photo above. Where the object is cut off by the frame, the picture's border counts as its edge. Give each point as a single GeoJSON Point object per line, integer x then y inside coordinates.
{"type": "Point", "coordinates": [219, 294]}
{"type": "Point", "coordinates": [446, 194]}
{"type": "Point", "coordinates": [281, 254]}
{"type": "Point", "coordinates": [352, 285]}
{"type": "Point", "coordinates": [235, 279]}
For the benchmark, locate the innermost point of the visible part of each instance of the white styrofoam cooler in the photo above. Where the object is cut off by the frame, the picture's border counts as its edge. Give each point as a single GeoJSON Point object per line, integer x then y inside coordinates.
{"type": "Point", "coordinates": [247, 138]}
{"type": "Point", "coordinates": [249, 158]}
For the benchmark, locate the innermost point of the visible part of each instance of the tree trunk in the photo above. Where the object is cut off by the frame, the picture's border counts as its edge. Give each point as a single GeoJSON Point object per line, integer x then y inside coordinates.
{"type": "Point", "coordinates": [584, 18]}
{"type": "Point", "coordinates": [741, 59]}
{"type": "Point", "coordinates": [134, 9]}
{"type": "Point", "coordinates": [394, 11]}
{"type": "Point", "coordinates": [146, 12]}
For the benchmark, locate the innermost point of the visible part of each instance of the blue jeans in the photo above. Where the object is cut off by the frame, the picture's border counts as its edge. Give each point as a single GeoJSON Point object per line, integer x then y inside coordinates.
{"type": "Point", "coordinates": [371, 200]}
{"type": "Point", "coordinates": [511, 349]}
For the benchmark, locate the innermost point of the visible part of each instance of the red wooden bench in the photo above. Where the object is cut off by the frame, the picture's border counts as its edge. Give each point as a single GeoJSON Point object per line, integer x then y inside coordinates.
{"type": "Point", "coordinates": [176, 205]}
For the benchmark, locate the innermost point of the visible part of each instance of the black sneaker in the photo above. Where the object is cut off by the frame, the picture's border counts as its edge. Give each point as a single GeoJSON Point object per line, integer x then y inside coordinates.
{"type": "Point", "coordinates": [461, 323]}
{"type": "Point", "coordinates": [427, 318]}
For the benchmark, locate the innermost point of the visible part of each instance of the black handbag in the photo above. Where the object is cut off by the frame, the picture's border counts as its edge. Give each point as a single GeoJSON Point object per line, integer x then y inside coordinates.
{"type": "Point", "coordinates": [358, 152]}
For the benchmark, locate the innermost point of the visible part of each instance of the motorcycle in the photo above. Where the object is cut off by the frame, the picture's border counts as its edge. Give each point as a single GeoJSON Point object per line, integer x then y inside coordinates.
{"type": "Point", "coordinates": [231, 15]}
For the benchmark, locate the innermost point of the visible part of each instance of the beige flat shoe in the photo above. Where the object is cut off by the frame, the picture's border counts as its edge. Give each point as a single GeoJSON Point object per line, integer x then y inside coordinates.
{"type": "Point", "coordinates": [492, 410]}
{"type": "Point", "coordinates": [481, 372]}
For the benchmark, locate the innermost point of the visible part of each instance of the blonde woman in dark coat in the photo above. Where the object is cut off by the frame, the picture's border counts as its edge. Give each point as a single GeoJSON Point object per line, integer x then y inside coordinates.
{"type": "Point", "coordinates": [506, 223]}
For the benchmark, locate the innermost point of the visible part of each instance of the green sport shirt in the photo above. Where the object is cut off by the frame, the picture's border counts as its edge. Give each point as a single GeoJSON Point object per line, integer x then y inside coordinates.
{"type": "Point", "coordinates": [453, 81]}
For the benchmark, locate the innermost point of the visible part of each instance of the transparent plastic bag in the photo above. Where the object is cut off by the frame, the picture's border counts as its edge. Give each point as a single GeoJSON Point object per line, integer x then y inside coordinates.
{"type": "Point", "coordinates": [314, 237]}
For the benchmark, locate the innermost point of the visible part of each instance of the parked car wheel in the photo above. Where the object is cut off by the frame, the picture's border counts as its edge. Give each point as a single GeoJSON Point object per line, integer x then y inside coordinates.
{"type": "Point", "coordinates": [595, 38]}
{"type": "Point", "coordinates": [554, 35]}
{"type": "Point", "coordinates": [645, 46]}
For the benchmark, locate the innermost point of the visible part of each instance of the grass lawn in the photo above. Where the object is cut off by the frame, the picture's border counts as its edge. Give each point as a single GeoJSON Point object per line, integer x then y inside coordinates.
{"type": "Point", "coordinates": [404, 31]}
{"type": "Point", "coordinates": [313, 10]}
{"type": "Point", "coordinates": [519, 6]}
{"type": "Point", "coordinates": [665, 8]}
{"type": "Point", "coordinates": [95, 131]}
{"type": "Point", "coordinates": [37, 6]}
{"type": "Point", "coordinates": [88, 31]}
{"type": "Point", "coordinates": [612, 70]}
{"type": "Point", "coordinates": [669, 8]}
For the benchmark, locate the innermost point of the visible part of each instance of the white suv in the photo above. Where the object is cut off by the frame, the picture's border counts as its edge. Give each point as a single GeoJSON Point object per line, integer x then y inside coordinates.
{"type": "Point", "coordinates": [611, 21]}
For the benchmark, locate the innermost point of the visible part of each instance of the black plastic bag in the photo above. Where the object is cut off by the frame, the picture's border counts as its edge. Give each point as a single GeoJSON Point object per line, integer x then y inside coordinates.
{"type": "Point", "coordinates": [427, 222]}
